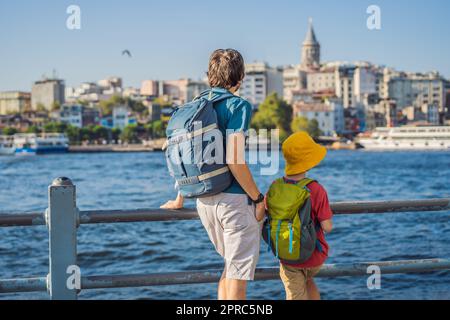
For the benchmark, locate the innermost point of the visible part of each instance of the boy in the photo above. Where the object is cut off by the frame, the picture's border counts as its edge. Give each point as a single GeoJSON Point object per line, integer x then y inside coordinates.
{"type": "Point", "coordinates": [302, 154]}
{"type": "Point", "coordinates": [232, 218]}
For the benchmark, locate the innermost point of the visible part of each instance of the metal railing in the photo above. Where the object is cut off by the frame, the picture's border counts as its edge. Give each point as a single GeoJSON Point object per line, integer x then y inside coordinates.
{"type": "Point", "coordinates": [63, 218]}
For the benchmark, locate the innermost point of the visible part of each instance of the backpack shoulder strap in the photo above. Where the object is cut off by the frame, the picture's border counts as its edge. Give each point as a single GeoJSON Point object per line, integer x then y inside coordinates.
{"type": "Point", "coordinates": [213, 96]}
{"type": "Point", "coordinates": [202, 94]}
{"type": "Point", "coordinates": [278, 180]}
{"type": "Point", "coordinates": [222, 97]}
{"type": "Point", "coordinates": [301, 183]}
{"type": "Point", "coordinates": [304, 182]}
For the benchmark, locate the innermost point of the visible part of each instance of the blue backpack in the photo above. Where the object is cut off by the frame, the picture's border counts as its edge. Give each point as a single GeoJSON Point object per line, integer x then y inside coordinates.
{"type": "Point", "coordinates": [195, 147]}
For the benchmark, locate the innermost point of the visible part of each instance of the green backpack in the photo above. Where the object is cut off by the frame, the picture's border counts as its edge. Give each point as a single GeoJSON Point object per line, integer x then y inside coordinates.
{"type": "Point", "coordinates": [289, 230]}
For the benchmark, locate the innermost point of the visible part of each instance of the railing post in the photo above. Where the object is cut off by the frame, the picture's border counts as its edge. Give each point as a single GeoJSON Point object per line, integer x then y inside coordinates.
{"type": "Point", "coordinates": [62, 222]}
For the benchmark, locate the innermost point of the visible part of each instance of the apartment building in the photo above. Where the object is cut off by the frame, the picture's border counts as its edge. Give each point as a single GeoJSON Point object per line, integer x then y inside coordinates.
{"type": "Point", "coordinates": [14, 102]}
{"type": "Point", "coordinates": [329, 115]}
{"type": "Point", "coordinates": [47, 92]}
{"type": "Point", "coordinates": [260, 81]}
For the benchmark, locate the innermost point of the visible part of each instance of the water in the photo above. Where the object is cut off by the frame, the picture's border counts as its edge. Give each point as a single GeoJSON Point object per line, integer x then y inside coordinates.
{"type": "Point", "coordinates": [126, 181]}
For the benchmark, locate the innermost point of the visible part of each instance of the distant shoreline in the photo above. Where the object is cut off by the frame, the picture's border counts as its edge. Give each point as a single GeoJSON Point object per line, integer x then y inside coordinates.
{"type": "Point", "coordinates": [111, 148]}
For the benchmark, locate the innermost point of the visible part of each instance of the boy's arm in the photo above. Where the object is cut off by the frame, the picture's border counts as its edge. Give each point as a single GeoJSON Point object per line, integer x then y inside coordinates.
{"type": "Point", "coordinates": [323, 209]}
{"type": "Point", "coordinates": [240, 170]}
{"type": "Point", "coordinates": [327, 225]}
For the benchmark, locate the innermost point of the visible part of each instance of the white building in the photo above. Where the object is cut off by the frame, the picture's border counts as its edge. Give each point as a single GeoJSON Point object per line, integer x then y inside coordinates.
{"type": "Point", "coordinates": [389, 109]}
{"type": "Point", "coordinates": [301, 96]}
{"type": "Point", "coordinates": [177, 91]}
{"type": "Point", "coordinates": [260, 81]}
{"type": "Point", "coordinates": [95, 92]}
{"type": "Point", "coordinates": [428, 113]}
{"type": "Point", "coordinates": [194, 88]}
{"type": "Point", "coordinates": [329, 115]}
{"type": "Point", "coordinates": [352, 82]}
{"type": "Point", "coordinates": [86, 91]}
{"type": "Point", "coordinates": [431, 112]}
{"type": "Point", "coordinates": [111, 83]}
{"type": "Point", "coordinates": [78, 116]}
{"type": "Point", "coordinates": [132, 93]}
{"type": "Point", "coordinates": [120, 117]}
{"type": "Point", "coordinates": [324, 79]}
{"type": "Point", "coordinates": [294, 80]}
{"type": "Point", "coordinates": [414, 89]}
{"type": "Point", "coordinates": [366, 82]}
{"type": "Point", "coordinates": [72, 115]}
{"type": "Point", "coordinates": [345, 85]}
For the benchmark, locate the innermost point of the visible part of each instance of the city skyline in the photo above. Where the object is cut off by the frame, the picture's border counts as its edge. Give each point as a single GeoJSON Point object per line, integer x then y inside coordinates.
{"type": "Point", "coordinates": [36, 41]}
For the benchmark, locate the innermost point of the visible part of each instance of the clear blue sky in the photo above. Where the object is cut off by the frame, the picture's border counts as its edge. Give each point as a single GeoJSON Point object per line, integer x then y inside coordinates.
{"type": "Point", "coordinates": [170, 39]}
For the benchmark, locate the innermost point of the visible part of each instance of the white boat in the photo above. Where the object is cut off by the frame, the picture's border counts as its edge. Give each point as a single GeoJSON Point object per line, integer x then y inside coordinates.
{"type": "Point", "coordinates": [408, 138]}
{"type": "Point", "coordinates": [30, 143]}
{"type": "Point", "coordinates": [7, 146]}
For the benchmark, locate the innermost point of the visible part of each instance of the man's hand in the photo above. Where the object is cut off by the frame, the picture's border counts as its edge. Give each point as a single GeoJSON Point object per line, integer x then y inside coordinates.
{"type": "Point", "coordinates": [174, 204]}
{"type": "Point", "coordinates": [260, 211]}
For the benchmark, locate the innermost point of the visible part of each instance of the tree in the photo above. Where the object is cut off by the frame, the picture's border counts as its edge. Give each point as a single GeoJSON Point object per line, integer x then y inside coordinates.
{"type": "Point", "coordinates": [116, 132]}
{"type": "Point", "coordinates": [159, 129]}
{"type": "Point", "coordinates": [107, 105]}
{"type": "Point", "coordinates": [86, 134]}
{"type": "Point", "coordinates": [303, 124]}
{"type": "Point", "coordinates": [34, 129]}
{"type": "Point", "coordinates": [100, 133]}
{"type": "Point", "coordinates": [73, 134]}
{"type": "Point", "coordinates": [162, 102]}
{"type": "Point", "coordinates": [313, 129]}
{"type": "Point", "coordinates": [149, 130]}
{"type": "Point", "coordinates": [136, 106]}
{"type": "Point", "coordinates": [9, 131]}
{"type": "Point", "coordinates": [274, 113]}
{"type": "Point", "coordinates": [56, 127]}
{"type": "Point", "coordinates": [56, 106]}
{"type": "Point", "coordinates": [82, 102]}
{"type": "Point", "coordinates": [41, 108]}
{"type": "Point", "coordinates": [299, 124]}
{"type": "Point", "coordinates": [130, 133]}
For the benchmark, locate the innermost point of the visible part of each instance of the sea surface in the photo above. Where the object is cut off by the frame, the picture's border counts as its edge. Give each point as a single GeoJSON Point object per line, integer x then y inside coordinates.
{"type": "Point", "coordinates": [140, 180]}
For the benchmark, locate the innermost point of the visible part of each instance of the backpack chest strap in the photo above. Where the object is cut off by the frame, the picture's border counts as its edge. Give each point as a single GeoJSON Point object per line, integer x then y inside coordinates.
{"type": "Point", "coordinates": [205, 176]}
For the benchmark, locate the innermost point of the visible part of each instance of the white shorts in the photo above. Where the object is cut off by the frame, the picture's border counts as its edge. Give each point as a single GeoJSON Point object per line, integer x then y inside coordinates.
{"type": "Point", "coordinates": [232, 227]}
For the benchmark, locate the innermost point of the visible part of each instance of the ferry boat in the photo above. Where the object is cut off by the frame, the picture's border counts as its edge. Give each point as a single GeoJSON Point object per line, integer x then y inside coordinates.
{"type": "Point", "coordinates": [408, 138]}
{"type": "Point", "coordinates": [7, 146]}
{"type": "Point", "coordinates": [30, 143]}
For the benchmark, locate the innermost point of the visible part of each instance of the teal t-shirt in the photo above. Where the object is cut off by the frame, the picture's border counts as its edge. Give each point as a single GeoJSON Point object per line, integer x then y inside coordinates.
{"type": "Point", "coordinates": [235, 114]}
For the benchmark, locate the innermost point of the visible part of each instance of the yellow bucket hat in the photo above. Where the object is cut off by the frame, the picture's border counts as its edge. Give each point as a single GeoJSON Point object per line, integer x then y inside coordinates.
{"type": "Point", "coordinates": [301, 153]}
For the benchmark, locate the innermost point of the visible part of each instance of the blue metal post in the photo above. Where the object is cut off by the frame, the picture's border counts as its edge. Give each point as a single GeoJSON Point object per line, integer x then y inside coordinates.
{"type": "Point", "coordinates": [62, 221]}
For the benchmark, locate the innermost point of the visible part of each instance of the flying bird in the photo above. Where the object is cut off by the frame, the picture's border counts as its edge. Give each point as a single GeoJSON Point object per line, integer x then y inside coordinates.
{"type": "Point", "coordinates": [126, 52]}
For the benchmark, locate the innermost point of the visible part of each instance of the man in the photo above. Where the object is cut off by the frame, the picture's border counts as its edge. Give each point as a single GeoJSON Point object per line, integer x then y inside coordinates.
{"type": "Point", "coordinates": [232, 218]}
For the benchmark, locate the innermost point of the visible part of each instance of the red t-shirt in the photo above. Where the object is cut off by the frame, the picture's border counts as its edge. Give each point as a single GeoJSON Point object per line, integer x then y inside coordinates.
{"type": "Point", "coordinates": [320, 211]}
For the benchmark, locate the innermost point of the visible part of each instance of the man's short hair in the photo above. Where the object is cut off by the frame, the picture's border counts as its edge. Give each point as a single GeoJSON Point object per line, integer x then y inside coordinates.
{"type": "Point", "coordinates": [226, 68]}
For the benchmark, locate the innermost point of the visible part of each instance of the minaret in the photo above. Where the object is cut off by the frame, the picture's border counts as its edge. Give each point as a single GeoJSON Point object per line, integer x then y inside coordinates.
{"type": "Point", "coordinates": [310, 49]}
